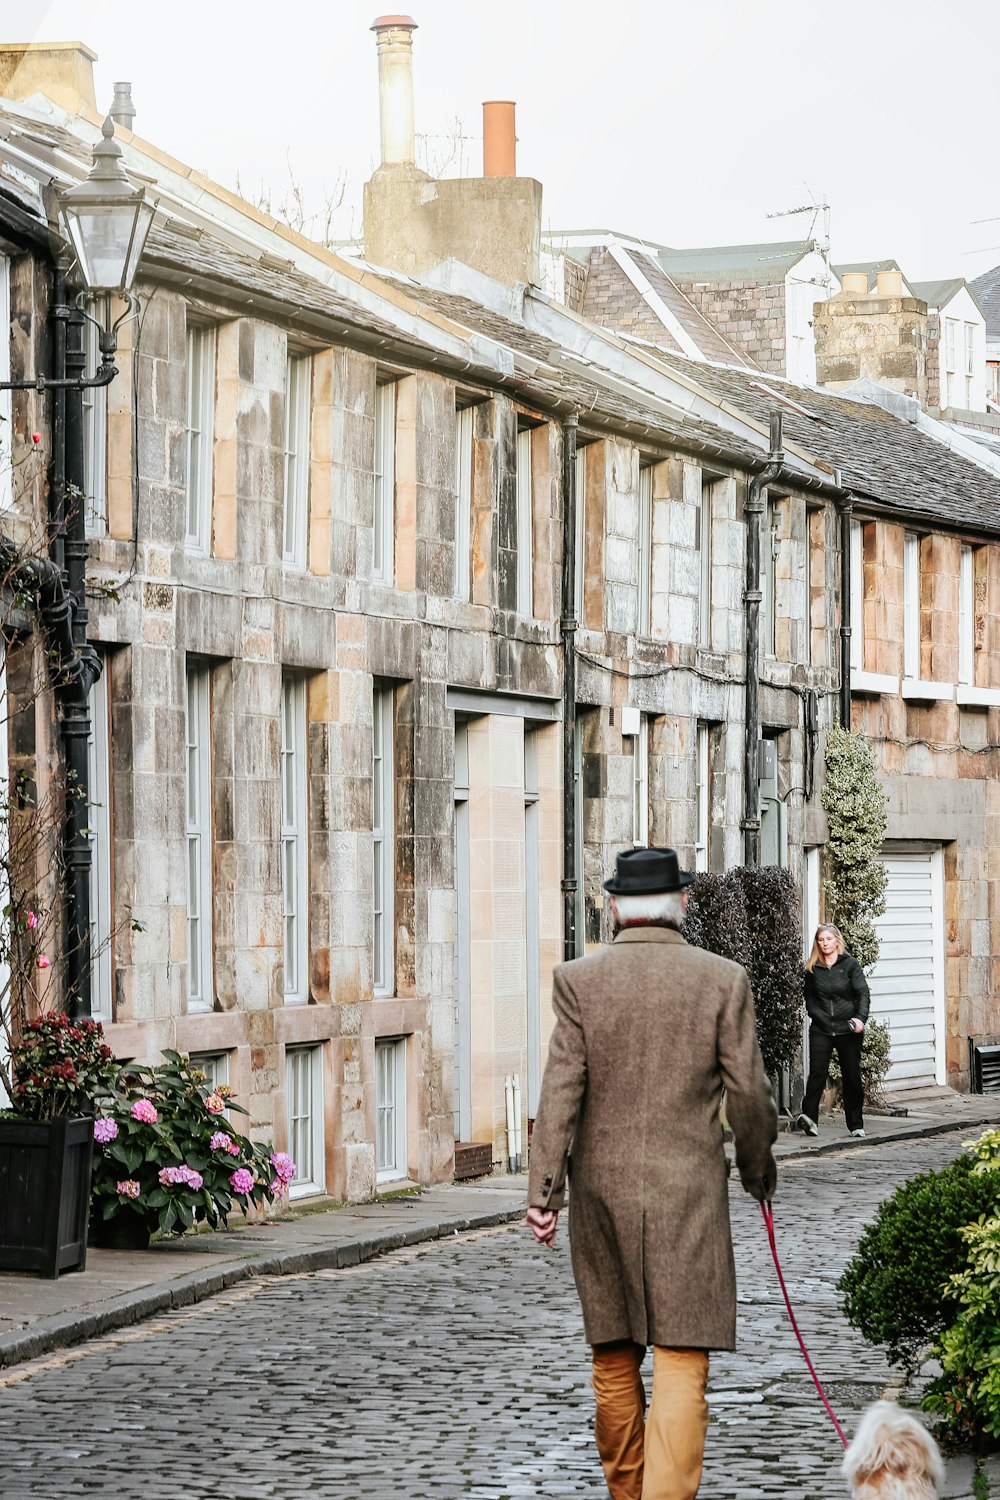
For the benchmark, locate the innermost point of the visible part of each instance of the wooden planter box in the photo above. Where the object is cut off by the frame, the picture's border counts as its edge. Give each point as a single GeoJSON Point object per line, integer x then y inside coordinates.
{"type": "Point", "coordinates": [45, 1194]}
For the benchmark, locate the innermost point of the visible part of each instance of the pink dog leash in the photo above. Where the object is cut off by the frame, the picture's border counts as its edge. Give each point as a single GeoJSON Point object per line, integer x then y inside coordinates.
{"type": "Point", "coordinates": [768, 1213]}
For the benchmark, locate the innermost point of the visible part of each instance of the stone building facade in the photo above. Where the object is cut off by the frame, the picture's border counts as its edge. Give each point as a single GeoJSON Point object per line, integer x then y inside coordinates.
{"type": "Point", "coordinates": [330, 518]}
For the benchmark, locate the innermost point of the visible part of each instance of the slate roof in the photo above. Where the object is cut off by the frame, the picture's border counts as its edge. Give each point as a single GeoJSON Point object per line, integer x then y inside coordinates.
{"type": "Point", "coordinates": [564, 383]}
{"type": "Point", "coordinates": [711, 343]}
{"type": "Point", "coordinates": [986, 290]}
{"type": "Point", "coordinates": [723, 263]}
{"type": "Point", "coordinates": [938, 294]}
{"type": "Point", "coordinates": [881, 457]}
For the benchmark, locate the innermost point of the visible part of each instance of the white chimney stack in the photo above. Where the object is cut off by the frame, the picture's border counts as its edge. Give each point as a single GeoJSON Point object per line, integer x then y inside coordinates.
{"type": "Point", "coordinates": [394, 39]}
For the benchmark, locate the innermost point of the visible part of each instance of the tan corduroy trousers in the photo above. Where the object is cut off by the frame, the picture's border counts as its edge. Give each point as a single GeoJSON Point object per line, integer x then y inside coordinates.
{"type": "Point", "coordinates": [657, 1457]}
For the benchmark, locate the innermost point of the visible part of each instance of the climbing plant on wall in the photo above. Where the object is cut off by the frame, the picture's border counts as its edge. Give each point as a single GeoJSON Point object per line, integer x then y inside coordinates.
{"type": "Point", "coordinates": [854, 803]}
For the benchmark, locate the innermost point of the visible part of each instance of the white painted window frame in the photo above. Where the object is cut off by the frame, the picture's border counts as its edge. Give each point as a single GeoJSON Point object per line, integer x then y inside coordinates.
{"type": "Point", "coordinates": [967, 617]}
{"type": "Point", "coordinates": [532, 914]}
{"type": "Point", "coordinates": [705, 518]}
{"type": "Point", "coordinates": [295, 507]}
{"type": "Point", "coordinates": [464, 423]}
{"type": "Point", "coordinates": [390, 1109]}
{"type": "Point", "coordinates": [383, 550]}
{"type": "Point", "coordinates": [383, 843]}
{"type": "Point", "coordinates": [644, 550]}
{"type": "Point", "coordinates": [525, 526]}
{"type": "Point", "coordinates": [199, 831]}
{"type": "Point", "coordinates": [214, 1065]}
{"type": "Point", "coordinates": [580, 538]}
{"type": "Point", "coordinates": [101, 847]}
{"type": "Point", "coordinates": [640, 784]}
{"type": "Point", "coordinates": [200, 424]}
{"type": "Point", "coordinates": [701, 797]}
{"type": "Point", "coordinates": [304, 1108]}
{"type": "Point", "coordinates": [911, 605]}
{"type": "Point", "coordinates": [95, 426]}
{"type": "Point", "coordinates": [857, 597]}
{"type": "Point", "coordinates": [768, 611]}
{"type": "Point", "coordinates": [6, 425]}
{"type": "Point", "coordinates": [294, 753]}
{"type": "Point", "coordinates": [463, 938]}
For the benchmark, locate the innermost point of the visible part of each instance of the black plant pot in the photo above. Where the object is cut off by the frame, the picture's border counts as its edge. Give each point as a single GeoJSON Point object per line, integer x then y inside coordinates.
{"type": "Point", "coordinates": [45, 1194]}
{"type": "Point", "coordinates": [128, 1230]}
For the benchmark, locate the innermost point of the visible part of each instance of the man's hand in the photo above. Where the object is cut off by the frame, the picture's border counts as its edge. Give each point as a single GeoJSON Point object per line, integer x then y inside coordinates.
{"type": "Point", "coordinates": [856, 1024]}
{"type": "Point", "coordinates": [542, 1223]}
{"type": "Point", "coordinates": [762, 1188]}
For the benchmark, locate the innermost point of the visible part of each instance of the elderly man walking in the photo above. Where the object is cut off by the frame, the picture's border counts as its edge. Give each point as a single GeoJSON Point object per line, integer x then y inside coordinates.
{"type": "Point", "coordinates": [648, 1034]}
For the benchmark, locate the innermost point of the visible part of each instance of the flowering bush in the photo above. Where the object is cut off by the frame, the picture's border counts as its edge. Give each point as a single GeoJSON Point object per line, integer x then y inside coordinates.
{"type": "Point", "coordinates": [160, 1152]}
{"type": "Point", "coordinates": [60, 1066]}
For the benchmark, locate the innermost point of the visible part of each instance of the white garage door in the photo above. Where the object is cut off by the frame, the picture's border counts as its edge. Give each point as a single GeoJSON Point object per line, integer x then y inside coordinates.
{"type": "Point", "coordinates": [907, 983]}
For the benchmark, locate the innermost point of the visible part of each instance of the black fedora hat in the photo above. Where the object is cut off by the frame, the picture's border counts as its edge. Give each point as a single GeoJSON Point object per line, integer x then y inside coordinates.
{"type": "Point", "coordinates": [647, 872]}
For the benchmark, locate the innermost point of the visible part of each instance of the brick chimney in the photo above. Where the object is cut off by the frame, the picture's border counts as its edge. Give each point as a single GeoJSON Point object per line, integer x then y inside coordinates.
{"type": "Point", "coordinates": [879, 336]}
{"type": "Point", "coordinates": [412, 222]}
{"type": "Point", "coordinates": [62, 71]}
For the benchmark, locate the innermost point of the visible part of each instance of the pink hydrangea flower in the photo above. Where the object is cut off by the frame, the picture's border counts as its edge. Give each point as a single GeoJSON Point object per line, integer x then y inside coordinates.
{"type": "Point", "coordinates": [241, 1181]}
{"type": "Point", "coordinates": [215, 1104]}
{"type": "Point", "coordinates": [127, 1189]}
{"type": "Point", "coordinates": [105, 1130]}
{"type": "Point", "coordinates": [145, 1111]}
{"type": "Point", "coordinates": [180, 1177]}
{"type": "Point", "coordinates": [276, 1187]}
{"type": "Point", "coordinates": [283, 1165]}
{"type": "Point", "coordinates": [220, 1141]}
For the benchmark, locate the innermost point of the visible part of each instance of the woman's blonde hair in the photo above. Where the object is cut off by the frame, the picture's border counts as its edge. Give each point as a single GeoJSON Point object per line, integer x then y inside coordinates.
{"type": "Point", "coordinates": [815, 955]}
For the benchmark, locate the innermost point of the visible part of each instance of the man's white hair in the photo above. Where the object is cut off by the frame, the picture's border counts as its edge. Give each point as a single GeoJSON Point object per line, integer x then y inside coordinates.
{"type": "Point", "coordinates": [666, 907]}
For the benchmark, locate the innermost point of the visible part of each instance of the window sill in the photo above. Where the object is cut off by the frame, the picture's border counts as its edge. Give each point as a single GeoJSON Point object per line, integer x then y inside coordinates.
{"type": "Point", "coordinates": [874, 683]}
{"type": "Point", "coordinates": [977, 697]}
{"type": "Point", "coordinates": [916, 690]}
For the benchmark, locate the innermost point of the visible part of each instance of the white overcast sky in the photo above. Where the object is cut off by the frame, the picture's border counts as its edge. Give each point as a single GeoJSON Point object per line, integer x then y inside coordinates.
{"type": "Point", "coordinates": [685, 123]}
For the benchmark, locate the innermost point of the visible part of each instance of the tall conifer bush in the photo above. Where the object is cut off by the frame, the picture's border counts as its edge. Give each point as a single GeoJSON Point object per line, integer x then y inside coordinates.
{"type": "Point", "coordinates": [854, 803]}
{"type": "Point", "coordinates": [752, 916]}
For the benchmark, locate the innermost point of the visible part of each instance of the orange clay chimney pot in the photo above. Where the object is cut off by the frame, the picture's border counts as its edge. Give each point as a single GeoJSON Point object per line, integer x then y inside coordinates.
{"type": "Point", "coordinates": [890, 283]}
{"type": "Point", "coordinates": [499, 139]}
{"type": "Point", "coordinates": [855, 284]}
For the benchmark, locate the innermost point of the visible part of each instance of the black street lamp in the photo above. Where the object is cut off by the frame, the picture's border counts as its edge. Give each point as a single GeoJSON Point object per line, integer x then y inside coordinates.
{"type": "Point", "coordinates": [106, 220]}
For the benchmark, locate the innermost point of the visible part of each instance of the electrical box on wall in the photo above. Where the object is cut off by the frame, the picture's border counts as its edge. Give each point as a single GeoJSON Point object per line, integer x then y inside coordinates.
{"type": "Point", "coordinates": [767, 768]}
{"type": "Point", "coordinates": [629, 720]}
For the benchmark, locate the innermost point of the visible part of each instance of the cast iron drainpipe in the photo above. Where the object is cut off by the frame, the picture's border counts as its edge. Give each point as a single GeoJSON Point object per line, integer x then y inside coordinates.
{"type": "Point", "coordinates": [755, 502]}
{"type": "Point", "coordinates": [568, 625]}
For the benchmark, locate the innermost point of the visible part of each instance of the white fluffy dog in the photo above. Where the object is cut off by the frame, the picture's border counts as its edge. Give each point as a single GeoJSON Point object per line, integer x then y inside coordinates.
{"type": "Point", "coordinates": [892, 1457]}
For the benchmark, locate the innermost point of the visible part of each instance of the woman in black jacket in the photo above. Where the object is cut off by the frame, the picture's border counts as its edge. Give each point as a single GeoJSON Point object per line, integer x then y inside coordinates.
{"type": "Point", "coordinates": [836, 994]}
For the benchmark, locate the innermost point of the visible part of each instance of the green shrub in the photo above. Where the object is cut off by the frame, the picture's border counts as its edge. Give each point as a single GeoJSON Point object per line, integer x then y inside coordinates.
{"type": "Point", "coordinates": [875, 1062]}
{"type": "Point", "coordinates": [892, 1287]}
{"type": "Point", "coordinates": [752, 916]}
{"type": "Point", "coordinates": [966, 1395]}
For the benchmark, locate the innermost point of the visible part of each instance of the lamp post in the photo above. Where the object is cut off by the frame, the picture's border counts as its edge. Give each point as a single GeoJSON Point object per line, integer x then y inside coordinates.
{"type": "Point", "coordinates": [105, 220]}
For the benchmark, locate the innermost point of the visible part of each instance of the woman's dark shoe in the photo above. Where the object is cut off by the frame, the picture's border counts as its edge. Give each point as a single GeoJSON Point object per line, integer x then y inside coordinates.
{"type": "Point", "coordinates": [807, 1126]}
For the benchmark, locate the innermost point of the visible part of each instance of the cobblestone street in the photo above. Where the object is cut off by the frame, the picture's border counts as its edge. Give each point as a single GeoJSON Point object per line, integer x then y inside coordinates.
{"type": "Point", "coordinates": [454, 1369]}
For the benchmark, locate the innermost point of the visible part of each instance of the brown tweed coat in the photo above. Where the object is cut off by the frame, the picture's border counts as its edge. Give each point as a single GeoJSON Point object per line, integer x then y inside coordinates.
{"type": "Point", "coordinates": [648, 1031]}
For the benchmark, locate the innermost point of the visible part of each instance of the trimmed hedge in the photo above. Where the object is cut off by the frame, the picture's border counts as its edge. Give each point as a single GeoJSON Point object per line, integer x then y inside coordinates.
{"type": "Point", "coordinates": [893, 1287]}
